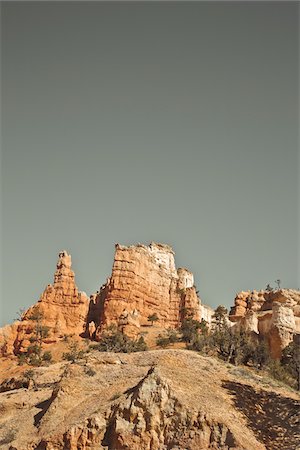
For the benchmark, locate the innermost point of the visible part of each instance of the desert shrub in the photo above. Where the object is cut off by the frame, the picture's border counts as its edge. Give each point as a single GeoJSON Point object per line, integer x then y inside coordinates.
{"type": "Point", "coordinates": [75, 352]}
{"type": "Point", "coordinates": [153, 318]}
{"type": "Point", "coordinates": [191, 328]}
{"type": "Point", "coordinates": [90, 371]}
{"type": "Point", "coordinates": [200, 343]}
{"type": "Point", "coordinates": [279, 372]}
{"type": "Point", "coordinates": [116, 396]}
{"type": "Point", "coordinates": [8, 438]}
{"type": "Point", "coordinates": [237, 346]}
{"type": "Point", "coordinates": [29, 374]}
{"type": "Point", "coordinates": [170, 337]}
{"type": "Point", "coordinates": [47, 356]}
{"type": "Point", "coordinates": [115, 341]}
{"type": "Point", "coordinates": [290, 360]}
{"type": "Point", "coordinates": [255, 351]}
{"type": "Point", "coordinates": [22, 359]}
{"type": "Point", "coordinates": [34, 355]}
{"type": "Point", "coordinates": [233, 345]}
{"type": "Point", "coordinates": [162, 341]}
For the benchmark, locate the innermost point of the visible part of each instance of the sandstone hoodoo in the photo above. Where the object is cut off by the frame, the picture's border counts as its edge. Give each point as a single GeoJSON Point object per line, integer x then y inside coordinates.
{"type": "Point", "coordinates": [274, 314]}
{"type": "Point", "coordinates": [144, 281]}
{"type": "Point", "coordinates": [61, 307]}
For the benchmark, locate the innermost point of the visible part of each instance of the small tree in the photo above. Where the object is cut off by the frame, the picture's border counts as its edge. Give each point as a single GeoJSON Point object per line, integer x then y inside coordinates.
{"type": "Point", "coordinates": [291, 359]}
{"type": "Point", "coordinates": [170, 337]}
{"type": "Point", "coordinates": [47, 356]}
{"type": "Point", "coordinates": [115, 341]}
{"type": "Point", "coordinates": [20, 314]}
{"type": "Point", "coordinates": [220, 316]}
{"type": "Point", "coordinates": [153, 318]}
{"type": "Point", "coordinates": [34, 353]}
{"type": "Point", "coordinates": [278, 282]}
{"type": "Point", "coordinates": [190, 329]}
{"type": "Point", "coordinates": [74, 352]}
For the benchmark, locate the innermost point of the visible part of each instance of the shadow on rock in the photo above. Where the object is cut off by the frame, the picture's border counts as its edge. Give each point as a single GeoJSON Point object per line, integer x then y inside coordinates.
{"type": "Point", "coordinates": [274, 419]}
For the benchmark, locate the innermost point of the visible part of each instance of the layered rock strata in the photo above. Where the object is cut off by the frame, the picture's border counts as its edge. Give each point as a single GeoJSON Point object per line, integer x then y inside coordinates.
{"type": "Point", "coordinates": [274, 314]}
{"type": "Point", "coordinates": [144, 281]}
{"type": "Point", "coordinates": [61, 308]}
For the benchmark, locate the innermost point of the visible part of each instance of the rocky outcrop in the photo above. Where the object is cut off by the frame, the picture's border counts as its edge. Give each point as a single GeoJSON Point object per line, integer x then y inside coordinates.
{"type": "Point", "coordinates": [144, 281]}
{"type": "Point", "coordinates": [61, 308]}
{"type": "Point", "coordinates": [152, 417]}
{"type": "Point", "coordinates": [164, 399]}
{"type": "Point", "coordinates": [274, 314]}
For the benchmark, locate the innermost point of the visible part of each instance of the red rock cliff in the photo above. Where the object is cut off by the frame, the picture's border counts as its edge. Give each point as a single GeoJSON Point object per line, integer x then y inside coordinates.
{"type": "Point", "coordinates": [144, 281]}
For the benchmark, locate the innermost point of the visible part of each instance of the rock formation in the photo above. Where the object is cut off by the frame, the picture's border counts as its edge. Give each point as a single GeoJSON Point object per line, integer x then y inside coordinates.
{"type": "Point", "coordinates": [155, 400]}
{"type": "Point", "coordinates": [144, 281]}
{"type": "Point", "coordinates": [61, 308]}
{"type": "Point", "coordinates": [153, 417]}
{"type": "Point", "coordinates": [275, 314]}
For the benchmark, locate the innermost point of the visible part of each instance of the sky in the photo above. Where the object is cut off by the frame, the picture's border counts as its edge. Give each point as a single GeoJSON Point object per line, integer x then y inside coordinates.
{"type": "Point", "coordinates": [136, 122]}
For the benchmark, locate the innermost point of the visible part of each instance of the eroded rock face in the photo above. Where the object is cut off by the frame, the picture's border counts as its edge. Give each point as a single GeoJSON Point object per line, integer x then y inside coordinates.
{"type": "Point", "coordinates": [274, 314]}
{"type": "Point", "coordinates": [61, 308]}
{"type": "Point", "coordinates": [144, 281]}
{"type": "Point", "coordinates": [157, 400]}
{"type": "Point", "coordinates": [151, 417]}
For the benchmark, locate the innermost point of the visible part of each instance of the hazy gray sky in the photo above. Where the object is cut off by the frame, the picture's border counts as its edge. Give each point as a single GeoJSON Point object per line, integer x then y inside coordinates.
{"type": "Point", "coordinates": [132, 122]}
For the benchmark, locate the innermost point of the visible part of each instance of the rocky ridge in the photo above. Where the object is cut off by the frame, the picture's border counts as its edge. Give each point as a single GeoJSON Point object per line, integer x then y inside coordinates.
{"type": "Point", "coordinates": [144, 282]}
{"type": "Point", "coordinates": [165, 399]}
{"type": "Point", "coordinates": [274, 314]}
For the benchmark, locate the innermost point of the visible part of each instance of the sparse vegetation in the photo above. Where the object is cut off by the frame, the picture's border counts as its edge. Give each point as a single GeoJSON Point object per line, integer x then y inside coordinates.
{"type": "Point", "coordinates": [115, 341]}
{"type": "Point", "coordinates": [29, 374]}
{"type": "Point", "coordinates": [290, 360]}
{"type": "Point", "coordinates": [47, 356]}
{"type": "Point", "coordinates": [20, 313]}
{"type": "Point", "coordinates": [33, 354]}
{"type": "Point", "coordinates": [278, 282]}
{"type": "Point", "coordinates": [239, 347]}
{"type": "Point", "coordinates": [75, 352]}
{"type": "Point", "coordinates": [170, 337]}
{"type": "Point", "coordinates": [191, 328]}
{"type": "Point", "coordinates": [9, 437]}
{"type": "Point", "coordinates": [153, 318]}
{"type": "Point", "coordinates": [90, 371]}
{"type": "Point", "coordinates": [116, 396]}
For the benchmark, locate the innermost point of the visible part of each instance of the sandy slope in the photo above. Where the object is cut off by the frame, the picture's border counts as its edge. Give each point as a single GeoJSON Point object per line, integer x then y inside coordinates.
{"type": "Point", "coordinates": [162, 399]}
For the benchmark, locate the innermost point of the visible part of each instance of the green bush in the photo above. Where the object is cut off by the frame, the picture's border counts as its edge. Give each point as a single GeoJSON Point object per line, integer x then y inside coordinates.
{"type": "Point", "coordinates": [116, 396]}
{"type": "Point", "coordinates": [118, 342]}
{"type": "Point", "coordinates": [34, 354]}
{"type": "Point", "coordinates": [190, 329]}
{"type": "Point", "coordinates": [153, 318]}
{"type": "Point", "coordinates": [280, 373]}
{"type": "Point", "coordinates": [74, 353]}
{"type": "Point", "coordinates": [29, 374]}
{"type": "Point", "coordinates": [22, 359]}
{"type": "Point", "coordinates": [47, 356]}
{"type": "Point", "coordinates": [170, 337]}
{"type": "Point", "coordinates": [290, 360]}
